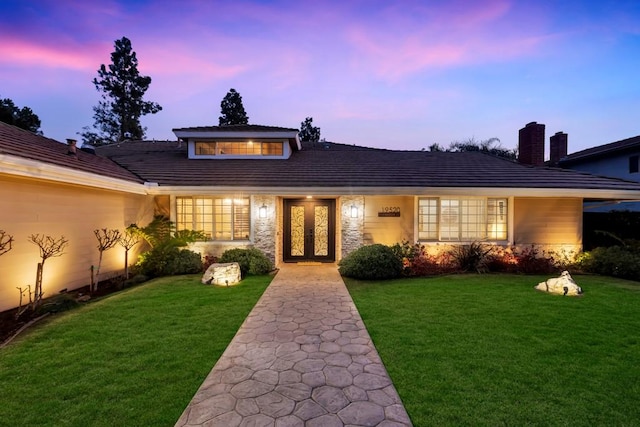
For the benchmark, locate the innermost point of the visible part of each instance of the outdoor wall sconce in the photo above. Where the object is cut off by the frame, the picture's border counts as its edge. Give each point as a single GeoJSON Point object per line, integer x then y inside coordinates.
{"type": "Point", "coordinates": [354, 211]}
{"type": "Point", "coordinates": [262, 212]}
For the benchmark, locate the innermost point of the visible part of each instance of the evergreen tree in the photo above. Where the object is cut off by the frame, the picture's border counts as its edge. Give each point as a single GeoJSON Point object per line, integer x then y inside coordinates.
{"type": "Point", "coordinates": [24, 117]}
{"type": "Point", "coordinates": [308, 132]}
{"type": "Point", "coordinates": [122, 88]}
{"type": "Point", "coordinates": [232, 110]}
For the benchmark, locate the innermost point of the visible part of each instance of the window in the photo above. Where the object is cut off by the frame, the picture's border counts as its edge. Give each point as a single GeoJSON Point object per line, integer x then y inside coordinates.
{"type": "Point", "coordinates": [633, 164]}
{"type": "Point", "coordinates": [219, 218]}
{"type": "Point", "coordinates": [238, 148]}
{"type": "Point", "coordinates": [462, 219]}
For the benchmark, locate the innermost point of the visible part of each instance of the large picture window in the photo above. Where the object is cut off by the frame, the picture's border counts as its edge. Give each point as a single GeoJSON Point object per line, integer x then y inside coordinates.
{"type": "Point", "coordinates": [462, 219]}
{"type": "Point", "coordinates": [220, 218]}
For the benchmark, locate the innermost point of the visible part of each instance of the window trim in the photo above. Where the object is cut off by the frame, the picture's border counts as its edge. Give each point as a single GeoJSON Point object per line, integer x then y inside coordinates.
{"type": "Point", "coordinates": [499, 219]}
{"type": "Point", "coordinates": [247, 204]}
{"type": "Point", "coordinates": [213, 149]}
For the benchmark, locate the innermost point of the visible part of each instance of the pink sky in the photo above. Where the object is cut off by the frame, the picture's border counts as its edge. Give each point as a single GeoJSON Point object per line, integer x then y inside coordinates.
{"type": "Point", "coordinates": [402, 74]}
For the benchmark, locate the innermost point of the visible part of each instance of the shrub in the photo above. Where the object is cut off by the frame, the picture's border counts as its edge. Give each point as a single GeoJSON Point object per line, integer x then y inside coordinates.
{"type": "Point", "coordinates": [531, 261]}
{"type": "Point", "coordinates": [614, 261]}
{"type": "Point", "coordinates": [252, 261]}
{"type": "Point", "coordinates": [168, 260]}
{"type": "Point", "coordinates": [472, 257]}
{"type": "Point", "coordinates": [371, 262]}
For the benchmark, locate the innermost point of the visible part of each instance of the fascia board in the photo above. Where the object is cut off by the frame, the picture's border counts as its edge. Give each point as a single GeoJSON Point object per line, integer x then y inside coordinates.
{"type": "Point", "coordinates": [248, 134]}
{"type": "Point", "coordinates": [401, 191]}
{"type": "Point", "coordinates": [26, 168]}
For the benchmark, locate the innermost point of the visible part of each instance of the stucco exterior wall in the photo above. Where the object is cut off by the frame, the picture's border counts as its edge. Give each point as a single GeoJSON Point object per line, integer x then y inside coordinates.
{"type": "Point", "coordinates": [389, 230]}
{"type": "Point", "coordinates": [37, 207]}
{"type": "Point", "coordinates": [548, 223]}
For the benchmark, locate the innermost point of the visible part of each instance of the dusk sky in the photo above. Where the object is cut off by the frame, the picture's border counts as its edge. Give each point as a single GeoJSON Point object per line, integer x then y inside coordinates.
{"type": "Point", "coordinates": [391, 74]}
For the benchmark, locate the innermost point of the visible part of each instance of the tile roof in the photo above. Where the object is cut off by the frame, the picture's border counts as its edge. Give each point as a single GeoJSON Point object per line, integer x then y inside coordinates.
{"type": "Point", "coordinates": [602, 151]}
{"type": "Point", "coordinates": [326, 164]}
{"type": "Point", "coordinates": [21, 143]}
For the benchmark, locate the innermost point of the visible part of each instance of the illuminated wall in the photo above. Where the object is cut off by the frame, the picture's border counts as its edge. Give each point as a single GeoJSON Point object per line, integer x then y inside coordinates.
{"type": "Point", "coordinates": [388, 219]}
{"type": "Point", "coordinates": [33, 207]}
{"type": "Point", "coordinates": [548, 222]}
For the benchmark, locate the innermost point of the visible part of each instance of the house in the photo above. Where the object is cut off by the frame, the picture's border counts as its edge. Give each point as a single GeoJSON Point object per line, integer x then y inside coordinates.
{"type": "Point", "coordinates": [620, 159]}
{"type": "Point", "coordinates": [55, 189]}
{"type": "Point", "coordinates": [259, 186]}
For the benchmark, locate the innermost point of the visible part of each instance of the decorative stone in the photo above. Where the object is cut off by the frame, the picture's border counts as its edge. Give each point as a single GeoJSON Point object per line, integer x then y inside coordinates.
{"type": "Point", "coordinates": [222, 274]}
{"type": "Point", "coordinates": [563, 285]}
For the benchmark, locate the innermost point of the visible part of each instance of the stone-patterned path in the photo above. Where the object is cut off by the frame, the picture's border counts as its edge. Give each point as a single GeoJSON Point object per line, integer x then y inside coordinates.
{"type": "Point", "coordinates": [303, 357]}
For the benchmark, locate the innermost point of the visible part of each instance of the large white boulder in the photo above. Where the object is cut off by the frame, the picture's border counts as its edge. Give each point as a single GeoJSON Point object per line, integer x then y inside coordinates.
{"type": "Point", "coordinates": [222, 274]}
{"type": "Point", "coordinates": [563, 285]}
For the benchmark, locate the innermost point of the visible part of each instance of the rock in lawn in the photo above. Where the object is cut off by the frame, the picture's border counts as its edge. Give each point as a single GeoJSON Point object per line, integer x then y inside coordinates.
{"type": "Point", "coordinates": [222, 274]}
{"type": "Point", "coordinates": [563, 285]}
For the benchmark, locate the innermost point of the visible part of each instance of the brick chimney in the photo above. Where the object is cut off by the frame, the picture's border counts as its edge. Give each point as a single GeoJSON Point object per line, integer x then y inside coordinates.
{"type": "Point", "coordinates": [71, 147]}
{"type": "Point", "coordinates": [558, 150]}
{"type": "Point", "coordinates": [531, 144]}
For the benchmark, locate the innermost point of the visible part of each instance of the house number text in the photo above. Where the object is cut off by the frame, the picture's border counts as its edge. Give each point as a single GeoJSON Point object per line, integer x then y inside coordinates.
{"type": "Point", "coordinates": [389, 211]}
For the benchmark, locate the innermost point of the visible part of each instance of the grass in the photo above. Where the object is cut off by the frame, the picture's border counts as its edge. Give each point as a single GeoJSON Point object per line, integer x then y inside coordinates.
{"type": "Point", "coordinates": [490, 350]}
{"type": "Point", "coordinates": [133, 359]}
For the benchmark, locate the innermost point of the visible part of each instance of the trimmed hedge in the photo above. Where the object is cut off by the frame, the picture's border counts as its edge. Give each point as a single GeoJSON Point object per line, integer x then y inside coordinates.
{"type": "Point", "coordinates": [252, 261]}
{"type": "Point", "coordinates": [372, 262]}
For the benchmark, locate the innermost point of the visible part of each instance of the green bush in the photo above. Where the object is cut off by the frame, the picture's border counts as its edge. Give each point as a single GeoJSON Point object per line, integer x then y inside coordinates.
{"type": "Point", "coordinates": [169, 260]}
{"type": "Point", "coordinates": [473, 257]}
{"type": "Point", "coordinates": [614, 261]}
{"type": "Point", "coordinates": [252, 261]}
{"type": "Point", "coordinates": [371, 262]}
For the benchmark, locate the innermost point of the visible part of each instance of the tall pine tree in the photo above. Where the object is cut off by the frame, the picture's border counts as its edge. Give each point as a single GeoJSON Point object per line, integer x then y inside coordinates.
{"type": "Point", "coordinates": [232, 110]}
{"type": "Point", "coordinates": [122, 88]}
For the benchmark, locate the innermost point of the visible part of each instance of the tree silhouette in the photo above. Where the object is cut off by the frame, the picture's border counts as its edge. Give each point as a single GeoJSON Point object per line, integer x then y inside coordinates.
{"type": "Point", "coordinates": [231, 110]}
{"type": "Point", "coordinates": [122, 88]}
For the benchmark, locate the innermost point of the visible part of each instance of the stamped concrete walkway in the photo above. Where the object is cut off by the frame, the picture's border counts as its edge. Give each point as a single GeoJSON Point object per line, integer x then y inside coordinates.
{"type": "Point", "coordinates": [303, 357]}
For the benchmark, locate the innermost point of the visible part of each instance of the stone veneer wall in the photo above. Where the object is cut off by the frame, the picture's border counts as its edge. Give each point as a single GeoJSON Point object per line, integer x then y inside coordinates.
{"type": "Point", "coordinates": [264, 229]}
{"type": "Point", "coordinates": [352, 229]}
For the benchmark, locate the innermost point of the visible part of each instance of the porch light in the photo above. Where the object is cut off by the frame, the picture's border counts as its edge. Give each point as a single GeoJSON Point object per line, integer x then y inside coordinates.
{"type": "Point", "coordinates": [354, 211]}
{"type": "Point", "coordinates": [262, 212]}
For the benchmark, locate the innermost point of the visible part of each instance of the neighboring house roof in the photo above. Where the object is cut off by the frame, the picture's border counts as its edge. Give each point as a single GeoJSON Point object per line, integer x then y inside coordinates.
{"type": "Point", "coordinates": [602, 151]}
{"type": "Point", "coordinates": [23, 144]}
{"type": "Point", "coordinates": [325, 164]}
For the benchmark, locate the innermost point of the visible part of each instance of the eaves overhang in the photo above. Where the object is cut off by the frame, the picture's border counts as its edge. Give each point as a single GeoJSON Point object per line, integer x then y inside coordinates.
{"type": "Point", "coordinates": [35, 169]}
{"type": "Point", "coordinates": [400, 191]}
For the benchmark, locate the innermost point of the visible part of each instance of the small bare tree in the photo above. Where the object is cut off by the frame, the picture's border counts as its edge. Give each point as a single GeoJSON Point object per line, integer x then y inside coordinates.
{"type": "Point", "coordinates": [5, 242]}
{"type": "Point", "coordinates": [107, 239]}
{"type": "Point", "coordinates": [49, 248]}
{"type": "Point", "coordinates": [129, 239]}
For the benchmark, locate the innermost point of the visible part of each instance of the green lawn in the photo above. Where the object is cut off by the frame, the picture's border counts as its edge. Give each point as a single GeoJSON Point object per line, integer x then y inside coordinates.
{"type": "Point", "coordinates": [490, 350]}
{"type": "Point", "coordinates": [133, 359]}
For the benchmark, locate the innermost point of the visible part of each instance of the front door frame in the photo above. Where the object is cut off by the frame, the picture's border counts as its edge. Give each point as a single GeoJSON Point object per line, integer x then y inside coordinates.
{"type": "Point", "coordinates": [309, 230]}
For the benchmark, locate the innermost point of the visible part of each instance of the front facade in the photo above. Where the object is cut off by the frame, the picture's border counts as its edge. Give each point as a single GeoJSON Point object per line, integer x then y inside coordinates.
{"type": "Point", "coordinates": [259, 186]}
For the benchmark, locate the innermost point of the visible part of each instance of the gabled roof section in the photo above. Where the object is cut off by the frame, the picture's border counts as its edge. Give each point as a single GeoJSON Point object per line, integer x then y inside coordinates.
{"type": "Point", "coordinates": [21, 144]}
{"type": "Point", "coordinates": [340, 166]}
{"type": "Point", "coordinates": [240, 131]}
{"type": "Point", "coordinates": [602, 151]}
